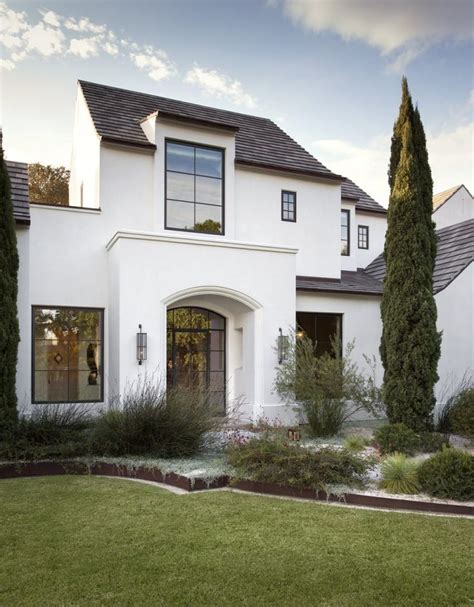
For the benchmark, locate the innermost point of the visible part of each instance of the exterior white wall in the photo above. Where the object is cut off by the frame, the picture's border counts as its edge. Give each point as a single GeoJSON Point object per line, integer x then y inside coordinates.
{"type": "Point", "coordinates": [377, 225]}
{"type": "Point", "coordinates": [456, 319]}
{"type": "Point", "coordinates": [361, 322]}
{"type": "Point", "coordinates": [316, 232]}
{"type": "Point", "coordinates": [84, 181]}
{"type": "Point", "coordinates": [23, 379]}
{"type": "Point", "coordinates": [460, 207]}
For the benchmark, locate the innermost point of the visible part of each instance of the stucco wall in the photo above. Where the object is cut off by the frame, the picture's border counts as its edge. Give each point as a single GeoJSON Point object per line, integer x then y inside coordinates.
{"type": "Point", "coordinates": [456, 319]}
{"type": "Point", "coordinates": [316, 232]}
{"type": "Point", "coordinates": [377, 225]}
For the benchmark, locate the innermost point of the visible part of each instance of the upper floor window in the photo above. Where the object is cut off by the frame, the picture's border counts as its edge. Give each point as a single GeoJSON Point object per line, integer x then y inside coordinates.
{"type": "Point", "coordinates": [363, 237]}
{"type": "Point", "coordinates": [345, 232]}
{"type": "Point", "coordinates": [288, 206]}
{"type": "Point", "coordinates": [68, 355]}
{"type": "Point", "coordinates": [194, 189]}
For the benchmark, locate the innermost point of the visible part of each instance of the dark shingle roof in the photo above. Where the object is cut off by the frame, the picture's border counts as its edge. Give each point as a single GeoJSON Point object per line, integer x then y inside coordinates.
{"type": "Point", "coordinates": [358, 282]}
{"type": "Point", "coordinates": [117, 114]}
{"type": "Point", "coordinates": [18, 173]}
{"type": "Point", "coordinates": [364, 202]}
{"type": "Point", "coordinates": [455, 253]}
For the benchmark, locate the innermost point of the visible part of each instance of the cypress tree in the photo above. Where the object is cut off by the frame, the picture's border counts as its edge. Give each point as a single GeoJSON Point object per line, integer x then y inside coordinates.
{"type": "Point", "coordinates": [9, 331]}
{"type": "Point", "coordinates": [410, 345]}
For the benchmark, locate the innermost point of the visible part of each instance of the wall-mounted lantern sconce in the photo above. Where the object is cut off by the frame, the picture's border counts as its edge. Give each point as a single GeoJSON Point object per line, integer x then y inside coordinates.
{"type": "Point", "coordinates": [141, 345]}
{"type": "Point", "coordinates": [300, 334]}
{"type": "Point", "coordinates": [283, 345]}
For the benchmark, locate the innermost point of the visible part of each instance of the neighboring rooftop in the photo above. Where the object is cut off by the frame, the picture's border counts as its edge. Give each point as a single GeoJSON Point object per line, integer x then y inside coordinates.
{"type": "Point", "coordinates": [455, 253]}
{"type": "Point", "coordinates": [18, 173]}
{"type": "Point", "coordinates": [259, 142]}
{"type": "Point", "coordinates": [442, 197]}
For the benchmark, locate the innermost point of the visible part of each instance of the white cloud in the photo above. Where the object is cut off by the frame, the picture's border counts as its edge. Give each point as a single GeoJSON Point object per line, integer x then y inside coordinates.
{"type": "Point", "coordinates": [84, 25]}
{"type": "Point", "coordinates": [6, 64]}
{"type": "Point", "coordinates": [44, 40]}
{"type": "Point", "coordinates": [111, 49]}
{"type": "Point", "coordinates": [154, 62]}
{"type": "Point", "coordinates": [450, 155]}
{"type": "Point", "coordinates": [51, 18]}
{"type": "Point", "coordinates": [219, 85]}
{"type": "Point", "coordinates": [84, 47]}
{"type": "Point", "coordinates": [401, 29]}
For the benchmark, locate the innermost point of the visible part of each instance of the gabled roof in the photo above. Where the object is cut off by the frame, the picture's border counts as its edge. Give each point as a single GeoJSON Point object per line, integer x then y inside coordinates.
{"type": "Point", "coordinates": [259, 142]}
{"type": "Point", "coordinates": [358, 283]}
{"type": "Point", "coordinates": [455, 253]}
{"type": "Point", "coordinates": [442, 197]}
{"type": "Point", "coordinates": [18, 173]}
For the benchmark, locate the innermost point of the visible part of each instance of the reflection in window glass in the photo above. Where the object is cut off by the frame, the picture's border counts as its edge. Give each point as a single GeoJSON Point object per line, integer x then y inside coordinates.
{"type": "Point", "coordinates": [325, 330]}
{"type": "Point", "coordinates": [67, 355]}
{"type": "Point", "coordinates": [345, 232]}
{"type": "Point", "coordinates": [194, 174]}
{"type": "Point", "coordinates": [196, 351]}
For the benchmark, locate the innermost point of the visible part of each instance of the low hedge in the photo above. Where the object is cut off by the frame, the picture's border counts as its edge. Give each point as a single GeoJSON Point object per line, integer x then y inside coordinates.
{"type": "Point", "coordinates": [274, 461]}
{"type": "Point", "coordinates": [448, 474]}
{"type": "Point", "coordinates": [399, 438]}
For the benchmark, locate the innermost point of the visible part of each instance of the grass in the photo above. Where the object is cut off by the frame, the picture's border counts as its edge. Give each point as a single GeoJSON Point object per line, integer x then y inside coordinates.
{"type": "Point", "coordinates": [94, 541]}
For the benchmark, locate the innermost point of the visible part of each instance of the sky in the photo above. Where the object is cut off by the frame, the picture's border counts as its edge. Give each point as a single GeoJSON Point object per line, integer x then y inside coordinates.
{"type": "Point", "coordinates": [327, 71]}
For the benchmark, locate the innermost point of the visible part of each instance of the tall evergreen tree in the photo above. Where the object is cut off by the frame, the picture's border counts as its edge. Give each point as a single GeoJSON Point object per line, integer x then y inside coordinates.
{"type": "Point", "coordinates": [410, 345]}
{"type": "Point", "coordinates": [9, 331]}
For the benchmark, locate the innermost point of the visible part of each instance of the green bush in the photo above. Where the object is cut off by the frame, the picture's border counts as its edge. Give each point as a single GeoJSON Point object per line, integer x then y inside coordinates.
{"type": "Point", "coordinates": [461, 414]}
{"type": "Point", "coordinates": [458, 393]}
{"type": "Point", "coordinates": [430, 442]}
{"type": "Point", "coordinates": [448, 474]}
{"type": "Point", "coordinates": [274, 461]}
{"type": "Point", "coordinates": [399, 474]}
{"type": "Point", "coordinates": [51, 431]}
{"type": "Point", "coordinates": [152, 421]}
{"type": "Point", "coordinates": [398, 438]}
{"type": "Point", "coordinates": [355, 443]}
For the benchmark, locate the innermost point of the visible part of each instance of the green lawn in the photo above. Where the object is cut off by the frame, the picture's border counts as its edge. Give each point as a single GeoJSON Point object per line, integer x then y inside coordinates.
{"type": "Point", "coordinates": [92, 541]}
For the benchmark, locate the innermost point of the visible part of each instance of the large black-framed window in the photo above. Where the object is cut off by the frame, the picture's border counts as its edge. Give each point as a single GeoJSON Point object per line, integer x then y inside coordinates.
{"type": "Point", "coordinates": [67, 354]}
{"type": "Point", "coordinates": [363, 237]}
{"type": "Point", "coordinates": [194, 187]}
{"type": "Point", "coordinates": [196, 357]}
{"type": "Point", "coordinates": [324, 329]}
{"type": "Point", "coordinates": [345, 232]}
{"type": "Point", "coordinates": [288, 206]}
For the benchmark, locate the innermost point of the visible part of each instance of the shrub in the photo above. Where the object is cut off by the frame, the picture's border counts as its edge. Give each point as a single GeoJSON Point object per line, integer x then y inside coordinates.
{"type": "Point", "coordinates": [448, 474]}
{"type": "Point", "coordinates": [432, 441]}
{"type": "Point", "coordinates": [150, 420]}
{"type": "Point", "coordinates": [328, 388]}
{"type": "Point", "coordinates": [398, 438]}
{"type": "Point", "coordinates": [59, 430]}
{"type": "Point", "coordinates": [355, 443]}
{"type": "Point", "coordinates": [399, 474]}
{"type": "Point", "coordinates": [274, 461]}
{"type": "Point", "coordinates": [451, 394]}
{"type": "Point", "coordinates": [461, 414]}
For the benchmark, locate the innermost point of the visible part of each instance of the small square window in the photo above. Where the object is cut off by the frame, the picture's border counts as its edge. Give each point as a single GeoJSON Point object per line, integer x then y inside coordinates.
{"type": "Point", "coordinates": [363, 237]}
{"type": "Point", "coordinates": [288, 206]}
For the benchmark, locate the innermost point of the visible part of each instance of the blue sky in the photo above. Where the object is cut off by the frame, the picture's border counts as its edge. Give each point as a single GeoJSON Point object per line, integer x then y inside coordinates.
{"type": "Point", "coordinates": [327, 71]}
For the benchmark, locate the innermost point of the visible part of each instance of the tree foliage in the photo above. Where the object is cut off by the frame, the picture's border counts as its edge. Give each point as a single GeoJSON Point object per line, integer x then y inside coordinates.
{"type": "Point", "coordinates": [410, 345]}
{"type": "Point", "coordinates": [9, 331]}
{"type": "Point", "coordinates": [48, 184]}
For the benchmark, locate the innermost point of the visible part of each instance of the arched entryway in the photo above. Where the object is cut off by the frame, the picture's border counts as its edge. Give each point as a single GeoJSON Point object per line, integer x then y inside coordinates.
{"type": "Point", "coordinates": [196, 350]}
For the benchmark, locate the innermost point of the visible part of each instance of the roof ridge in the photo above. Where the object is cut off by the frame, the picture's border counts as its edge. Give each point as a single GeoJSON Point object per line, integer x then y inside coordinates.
{"type": "Point", "coordinates": [200, 105]}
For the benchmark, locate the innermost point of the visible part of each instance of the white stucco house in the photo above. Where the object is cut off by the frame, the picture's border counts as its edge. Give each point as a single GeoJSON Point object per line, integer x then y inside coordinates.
{"type": "Point", "coordinates": [212, 232]}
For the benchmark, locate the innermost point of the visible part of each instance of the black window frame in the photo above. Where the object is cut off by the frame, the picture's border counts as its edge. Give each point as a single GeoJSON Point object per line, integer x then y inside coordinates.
{"type": "Point", "coordinates": [293, 203]}
{"type": "Point", "coordinates": [195, 144]}
{"type": "Point", "coordinates": [359, 234]}
{"type": "Point", "coordinates": [348, 213]}
{"type": "Point", "coordinates": [208, 349]}
{"type": "Point", "coordinates": [34, 401]}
